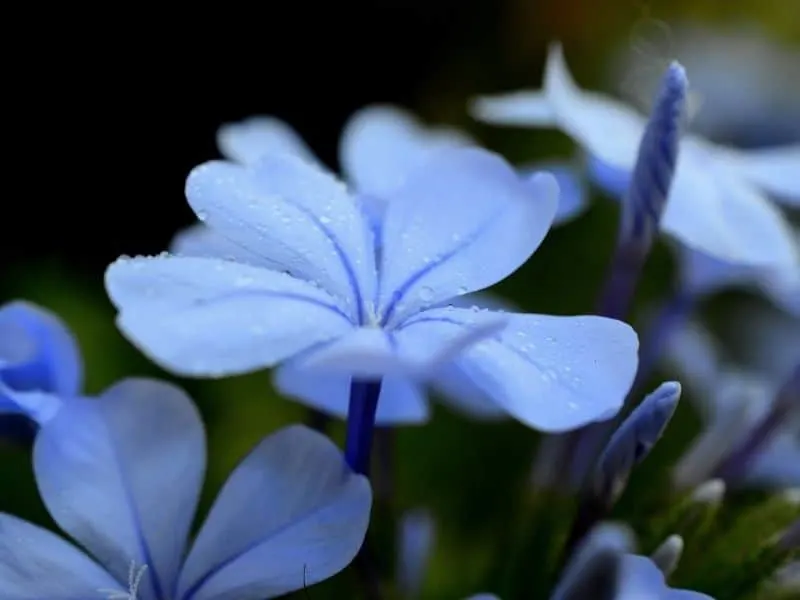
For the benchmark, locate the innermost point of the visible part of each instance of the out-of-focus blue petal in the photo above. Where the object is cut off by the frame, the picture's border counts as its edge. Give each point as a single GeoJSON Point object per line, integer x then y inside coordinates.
{"type": "Point", "coordinates": [51, 361]}
{"type": "Point", "coordinates": [767, 341]}
{"type": "Point", "coordinates": [778, 465]}
{"type": "Point", "coordinates": [401, 401]}
{"type": "Point", "coordinates": [208, 317]}
{"type": "Point", "coordinates": [642, 579]}
{"type": "Point", "coordinates": [483, 597]}
{"type": "Point", "coordinates": [614, 181]}
{"type": "Point", "coordinates": [572, 197]}
{"type": "Point", "coordinates": [691, 351]}
{"type": "Point", "coordinates": [461, 223]}
{"type": "Point", "coordinates": [606, 128]}
{"type": "Point", "coordinates": [298, 217]}
{"type": "Point", "coordinates": [37, 564]}
{"type": "Point", "coordinates": [726, 217]}
{"type": "Point", "coordinates": [200, 241]}
{"type": "Point", "coordinates": [122, 475]}
{"type": "Point", "coordinates": [290, 515]}
{"type": "Point", "coordinates": [553, 373]}
{"type": "Point", "coordinates": [775, 170]}
{"type": "Point", "coordinates": [382, 144]}
{"type": "Point", "coordinates": [523, 108]}
{"type": "Point", "coordinates": [246, 141]}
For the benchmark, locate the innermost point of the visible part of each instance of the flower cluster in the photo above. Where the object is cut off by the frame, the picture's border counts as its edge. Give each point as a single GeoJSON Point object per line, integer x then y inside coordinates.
{"type": "Point", "coordinates": [365, 294]}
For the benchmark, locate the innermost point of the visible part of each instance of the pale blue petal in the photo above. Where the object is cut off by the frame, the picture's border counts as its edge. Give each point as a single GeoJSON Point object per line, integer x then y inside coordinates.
{"type": "Point", "coordinates": [207, 317]}
{"type": "Point", "coordinates": [775, 170]}
{"type": "Point", "coordinates": [293, 214]}
{"type": "Point", "coordinates": [122, 475]}
{"type": "Point", "coordinates": [614, 181]}
{"type": "Point", "coordinates": [47, 359]}
{"type": "Point", "coordinates": [642, 579]}
{"type": "Point", "coordinates": [401, 401]}
{"type": "Point", "coordinates": [483, 597]}
{"type": "Point", "coordinates": [382, 144]}
{"type": "Point", "coordinates": [36, 564]}
{"type": "Point", "coordinates": [459, 224]}
{"type": "Point", "coordinates": [248, 140]}
{"type": "Point", "coordinates": [572, 198]}
{"type": "Point", "coordinates": [290, 515]}
{"type": "Point", "coordinates": [605, 127]}
{"type": "Point", "coordinates": [778, 465]}
{"type": "Point", "coordinates": [701, 273]}
{"type": "Point", "coordinates": [200, 241]}
{"type": "Point", "coordinates": [724, 217]}
{"type": "Point", "coordinates": [556, 373]}
{"type": "Point", "coordinates": [524, 108]}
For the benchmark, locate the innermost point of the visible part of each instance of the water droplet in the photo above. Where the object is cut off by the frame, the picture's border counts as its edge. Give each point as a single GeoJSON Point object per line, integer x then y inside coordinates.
{"type": "Point", "coordinates": [324, 220]}
{"type": "Point", "coordinates": [462, 290]}
{"type": "Point", "coordinates": [201, 214]}
{"type": "Point", "coordinates": [425, 293]}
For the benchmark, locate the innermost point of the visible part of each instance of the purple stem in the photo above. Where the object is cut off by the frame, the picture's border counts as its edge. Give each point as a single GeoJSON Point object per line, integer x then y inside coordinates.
{"type": "Point", "coordinates": [361, 424]}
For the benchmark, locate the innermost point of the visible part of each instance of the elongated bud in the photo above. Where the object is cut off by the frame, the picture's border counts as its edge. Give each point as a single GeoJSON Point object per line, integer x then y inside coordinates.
{"type": "Point", "coordinates": [633, 441]}
{"type": "Point", "coordinates": [668, 554]}
{"type": "Point", "coordinates": [658, 155]}
{"type": "Point", "coordinates": [647, 193]}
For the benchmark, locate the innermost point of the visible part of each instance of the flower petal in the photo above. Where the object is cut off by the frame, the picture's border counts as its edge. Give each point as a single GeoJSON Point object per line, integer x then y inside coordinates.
{"type": "Point", "coordinates": [290, 515]}
{"type": "Point", "coordinates": [605, 127]}
{"type": "Point", "coordinates": [200, 241]}
{"type": "Point", "coordinates": [294, 215]}
{"type": "Point", "coordinates": [382, 144]}
{"type": "Point", "coordinates": [573, 196]}
{"type": "Point", "coordinates": [524, 108]}
{"type": "Point", "coordinates": [122, 475]}
{"type": "Point", "coordinates": [726, 218]}
{"type": "Point", "coordinates": [207, 317]}
{"type": "Point", "coordinates": [401, 401]}
{"type": "Point", "coordinates": [778, 465]}
{"type": "Point", "coordinates": [36, 564]}
{"type": "Point", "coordinates": [246, 141]}
{"type": "Point", "coordinates": [461, 223]}
{"type": "Point", "coordinates": [556, 373]}
{"type": "Point", "coordinates": [641, 578]}
{"type": "Point", "coordinates": [47, 358]}
{"type": "Point", "coordinates": [774, 170]}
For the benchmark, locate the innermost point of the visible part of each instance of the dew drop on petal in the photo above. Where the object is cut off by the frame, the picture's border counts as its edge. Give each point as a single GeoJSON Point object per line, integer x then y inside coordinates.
{"type": "Point", "coordinates": [425, 293]}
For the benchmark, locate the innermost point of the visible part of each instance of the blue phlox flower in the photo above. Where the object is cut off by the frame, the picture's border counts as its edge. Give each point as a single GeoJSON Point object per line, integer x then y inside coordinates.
{"type": "Point", "coordinates": [718, 201]}
{"type": "Point", "coordinates": [317, 298]}
{"type": "Point", "coordinates": [40, 365]}
{"type": "Point", "coordinates": [702, 273]}
{"type": "Point", "coordinates": [122, 474]}
{"type": "Point", "coordinates": [732, 398]}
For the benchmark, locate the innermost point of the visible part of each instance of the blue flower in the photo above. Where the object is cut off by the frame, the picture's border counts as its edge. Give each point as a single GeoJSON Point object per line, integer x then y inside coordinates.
{"type": "Point", "coordinates": [40, 365]}
{"type": "Point", "coordinates": [122, 475]}
{"type": "Point", "coordinates": [718, 202]}
{"type": "Point", "coordinates": [308, 289]}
